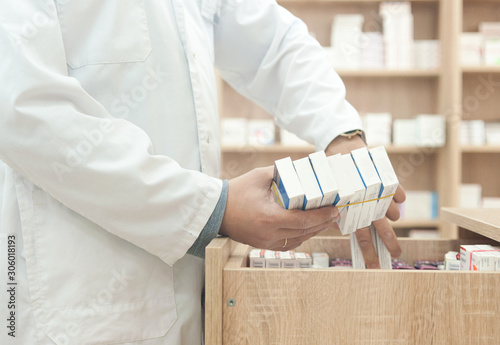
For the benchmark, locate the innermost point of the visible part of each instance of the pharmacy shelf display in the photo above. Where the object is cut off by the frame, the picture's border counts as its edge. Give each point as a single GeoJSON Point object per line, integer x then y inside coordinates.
{"type": "Point", "coordinates": [404, 93]}
{"type": "Point", "coordinates": [479, 85]}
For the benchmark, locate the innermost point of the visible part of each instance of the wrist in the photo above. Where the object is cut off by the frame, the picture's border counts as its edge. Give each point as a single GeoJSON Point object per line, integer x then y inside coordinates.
{"type": "Point", "coordinates": [345, 144]}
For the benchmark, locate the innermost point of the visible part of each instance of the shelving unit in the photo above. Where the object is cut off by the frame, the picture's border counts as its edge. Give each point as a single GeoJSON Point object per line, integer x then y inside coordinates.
{"type": "Point", "coordinates": [404, 93]}
{"type": "Point", "coordinates": [478, 106]}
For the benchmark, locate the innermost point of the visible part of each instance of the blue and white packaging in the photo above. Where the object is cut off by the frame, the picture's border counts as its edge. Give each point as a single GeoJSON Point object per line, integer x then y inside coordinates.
{"type": "Point", "coordinates": [388, 178]}
{"type": "Point", "coordinates": [310, 186]}
{"type": "Point", "coordinates": [384, 256]}
{"type": "Point", "coordinates": [358, 261]}
{"type": "Point", "coordinates": [288, 184]}
{"type": "Point", "coordinates": [371, 182]}
{"type": "Point", "coordinates": [325, 178]}
{"type": "Point", "coordinates": [347, 177]}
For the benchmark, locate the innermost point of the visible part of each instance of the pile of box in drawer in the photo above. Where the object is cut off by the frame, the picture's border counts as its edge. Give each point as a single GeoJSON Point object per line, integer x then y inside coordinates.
{"type": "Point", "coordinates": [261, 258]}
{"type": "Point", "coordinates": [470, 258]}
{"type": "Point", "coordinates": [481, 257]}
{"type": "Point", "coordinates": [360, 184]}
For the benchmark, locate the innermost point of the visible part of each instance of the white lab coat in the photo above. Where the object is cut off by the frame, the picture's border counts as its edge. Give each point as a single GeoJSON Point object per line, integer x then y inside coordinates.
{"type": "Point", "coordinates": [110, 150]}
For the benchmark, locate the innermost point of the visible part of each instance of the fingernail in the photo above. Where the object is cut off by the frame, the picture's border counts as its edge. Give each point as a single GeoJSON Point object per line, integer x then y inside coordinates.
{"type": "Point", "coordinates": [335, 214]}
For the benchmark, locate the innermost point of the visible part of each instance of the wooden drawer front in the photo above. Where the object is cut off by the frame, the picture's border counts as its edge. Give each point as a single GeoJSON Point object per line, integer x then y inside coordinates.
{"type": "Point", "coordinates": [321, 306]}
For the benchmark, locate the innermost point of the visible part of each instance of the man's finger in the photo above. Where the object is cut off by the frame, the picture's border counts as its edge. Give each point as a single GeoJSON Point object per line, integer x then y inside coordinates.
{"type": "Point", "coordinates": [393, 211]}
{"type": "Point", "coordinates": [296, 233]}
{"type": "Point", "coordinates": [400, 195]}
{"type": "Point", "coordinates": [386, 233]}
{"type": "Point", "coordinates": [298, 219]}
{"type": "Point", "coordinates": [292, 243]}
{"type": "Point", "coordinates": [365, 243]}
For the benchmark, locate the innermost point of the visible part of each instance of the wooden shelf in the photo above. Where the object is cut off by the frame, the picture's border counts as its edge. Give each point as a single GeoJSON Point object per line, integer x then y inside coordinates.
{"type": "Point", "coordinates": [481, 149]}
{"type": "Point", "coordinates": [415, 224]}
{"type": "Point", "coordinates": [480, 69]}
{"type": "Point", "coordinates": [484, 221]}
{"type": "Point", "coordinates": [384, 73]}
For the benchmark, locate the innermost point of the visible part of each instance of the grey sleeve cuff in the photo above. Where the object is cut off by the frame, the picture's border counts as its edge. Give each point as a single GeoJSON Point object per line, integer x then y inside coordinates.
{"type": "Point", "coordinates": [212, 227]}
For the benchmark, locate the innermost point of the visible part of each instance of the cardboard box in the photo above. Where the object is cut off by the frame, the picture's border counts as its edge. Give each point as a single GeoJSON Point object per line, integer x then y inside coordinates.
{"type": "Point", "coordinates": [272, 259]}
{"type": "Point", "coordinates": [288, 260]}
{"type": "Point", "coordinates": [371, 182]}
{"type": "Point", "coordinates": [346, 191]}
{"type": "Point", "coordinates": [261, 132]}
{"type": "Point", "coordinates": [388, 179]}
{"type": "Point", "coordinates": [304, 260]}
{"type": "Point", "coordinates": [310, 186]}
{"type": "Point", "coordinates": [384, 255]}
{"type": "Point", "coordinates": [348, 222]}
{"type": "Point", "coordinates": [256, 258]}
{"type": "Point", "coordinates": [288, 184]}
{"type": "Point", "coordinates": [325, 177]}
{"type": "Point", "coordinates": [358, 261]}
{"type": "Point", "coordinates": [320, 260]}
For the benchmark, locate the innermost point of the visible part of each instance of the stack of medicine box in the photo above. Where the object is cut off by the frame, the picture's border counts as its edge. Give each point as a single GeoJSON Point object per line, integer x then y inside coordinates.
{"type": "Point", "coordinates": [361, 184]}
{"type": "Point", "coordinates": [479, 257]}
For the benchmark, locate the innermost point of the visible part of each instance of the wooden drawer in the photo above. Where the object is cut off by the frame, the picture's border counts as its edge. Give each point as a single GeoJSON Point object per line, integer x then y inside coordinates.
{"type": "Point", "coordinates": [250, 306]}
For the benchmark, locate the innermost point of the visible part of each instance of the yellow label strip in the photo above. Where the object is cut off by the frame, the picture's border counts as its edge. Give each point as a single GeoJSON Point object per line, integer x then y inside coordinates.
{"type": "Point", "coordinates": [362, 202]}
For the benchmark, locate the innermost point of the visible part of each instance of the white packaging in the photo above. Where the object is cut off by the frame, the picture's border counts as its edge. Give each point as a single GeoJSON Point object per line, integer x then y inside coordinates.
{"type": "Point", "coordinates": [349, 220]}
{"type": "Point", "coordinates": [288, 260]}
{"type": "Point", "coordinates": [471, 47]}
{"type": "Point", "coordinates": [358, 261]}
{"type": "Point", "coordinates": [378, 128]}
{"type": "Point", "coordinates": [470, 195]}
{"type": "Point", "coordinates": [384, 256]}
{"type": "Point", "coordinates": [346, 40]}
{"type": "Point", "coordinates": [491, 202]}
{"type": "Point", "coordinates": [388, 178]}
{"type": "Point", "coordinates": [492, 51]}
{"type": "Point", "coordinates": [451, 262]}
{"type": "Point", "coordinates": [466, 256]}
{"type": "Point", "coordinates": [256, 258]}
{"type": "Point", "coordinates": [372, 183]}
{"type": "Point", "coordinates": [310, 186]}
{"type": "Point", "coordinates": [464, 133]}
{"type": "Point", "coordinates": [404, 132]}
{"type": "Point", "coordinates": [490, 28]}
{"type": "Point", "coordinates": [260, 132]}
{"type": "Point", "coordinates": [320, 260]}
{"type": "Point", "coordinates": [289, 139]}
{"type": "Point", "coordinates": [420, 205]}
{"type": "Point", "coordinates": [304, 260]}
{"type": "Point", "coordinates": [398, 34]}
{"type": "Point", "coordinates": [477, 133]}
{"type": "Point", "coordinates": [272, 259]}
{"type": "Point", "coordinates": [427, 54]}
{"type": "Point", "coordinates": [373, 51]}
{"type": "Point", "coordinates": [325, 177]}
{"type": "Point", "coordinates": [492, 133]}
{"type": "Point", "coordinates": [288, 184]}
{"type": "Point", "coordinates": [431, 130]}
{"type": "Point", "coordinates": [484, 261]}
{"type": "Point", "coordinates": [234, 131]}
{"type": "Point", "coordinates": [346, 191]}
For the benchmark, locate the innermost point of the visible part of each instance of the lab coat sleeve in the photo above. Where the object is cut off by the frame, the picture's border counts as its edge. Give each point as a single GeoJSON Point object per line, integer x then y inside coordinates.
{"type": "Point", "coordinates": [267, 55]}
{"type": "Point", "coordinates": [61, 139]}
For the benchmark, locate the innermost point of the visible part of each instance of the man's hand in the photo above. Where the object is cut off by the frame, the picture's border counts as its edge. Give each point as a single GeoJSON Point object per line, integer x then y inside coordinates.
{"type": "Point", "coordinates": [384, 229]}
{"type": "Point", "coordinates": [253, 217]}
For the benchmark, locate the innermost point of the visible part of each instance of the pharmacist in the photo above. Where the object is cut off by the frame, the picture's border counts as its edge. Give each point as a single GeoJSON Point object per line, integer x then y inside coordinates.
{"type": "Point", "coordinates": [110, 157]}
